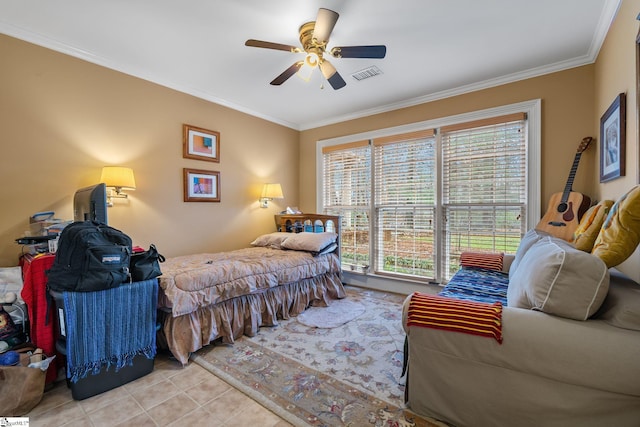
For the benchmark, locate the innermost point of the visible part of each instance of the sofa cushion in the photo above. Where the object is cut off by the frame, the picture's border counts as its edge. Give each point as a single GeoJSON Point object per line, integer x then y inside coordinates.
{"type": "Point", "coordinates": [585, 235]}
{"type": "Point", "coordinates": [556, 278]}
{"type": "Point", "coordinates": [621, 307]}
{"type": "Point", "coordinates": [528, 240]}
{"type": "Point", "coordinates": [620, 233]}
{"type": "Point", "coordinates": [488, 261]}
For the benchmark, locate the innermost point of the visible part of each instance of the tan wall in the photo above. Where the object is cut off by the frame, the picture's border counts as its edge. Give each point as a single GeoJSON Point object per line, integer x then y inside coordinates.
{"type": "Point", "coordinates": [567, 117]}
{"type": "Point", "coordinates": [62, 119]}
{"type": "Point", "coordinates": [615, 72]}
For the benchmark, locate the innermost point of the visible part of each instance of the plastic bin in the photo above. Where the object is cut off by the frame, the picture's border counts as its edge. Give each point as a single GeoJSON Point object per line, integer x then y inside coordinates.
{"type": "Point", "coordinates": [105, 380]}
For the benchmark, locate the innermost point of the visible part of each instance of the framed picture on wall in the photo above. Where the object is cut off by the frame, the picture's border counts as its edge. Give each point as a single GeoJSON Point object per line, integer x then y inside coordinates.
{"type": "Point", "coordinates": [201, 185]}
{"type": "Point", "coordinates": [613, 140]}
{"type": "Point", "coordinates": [200, 144]}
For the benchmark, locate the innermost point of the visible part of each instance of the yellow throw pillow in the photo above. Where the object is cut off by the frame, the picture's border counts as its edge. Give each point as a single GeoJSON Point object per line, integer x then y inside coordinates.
{"type": "Point", "coordinates": [620, 233]}
{"type": "Point", "coordinates": [585, 235]}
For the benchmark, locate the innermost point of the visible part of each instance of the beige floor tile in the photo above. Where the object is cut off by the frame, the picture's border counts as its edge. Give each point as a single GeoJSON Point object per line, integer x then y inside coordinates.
{"type": "Point", "coordinates": [101, 400]}
{"type": "Point", "coordinates": [207, 390]}
{"type": "Point", "coordinates": [228, 404]}
{"type": "Point", "coordinates": [190, 376]}
{"type": "Point", "coordinates": [81, 422]}
{"type": "Point", "coordinates": [116, 412]}
{"type": "Point", "coordinates": [150, 379]}
{"type": "Point", "coordinates": [172, 409]}
{"type": "Point", "coordinates": [155, 394]}
{"type": "Point", "coordinates": [58, 416]}
{"type": "Point", "coordinates": [142, 420]}
{"type": "Point", "coordinates": [198, 417]}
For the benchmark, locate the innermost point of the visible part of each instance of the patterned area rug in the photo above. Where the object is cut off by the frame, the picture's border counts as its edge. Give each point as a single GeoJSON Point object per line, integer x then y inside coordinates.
{"type": "Point", "coordinates": [344, 376]}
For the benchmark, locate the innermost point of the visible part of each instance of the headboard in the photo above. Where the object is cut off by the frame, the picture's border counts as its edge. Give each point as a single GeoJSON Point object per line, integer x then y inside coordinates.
{"type": "Point", "coordinates": [314, 223]}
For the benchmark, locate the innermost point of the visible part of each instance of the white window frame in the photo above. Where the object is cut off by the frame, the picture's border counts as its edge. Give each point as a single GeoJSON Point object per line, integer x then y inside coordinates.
{"type": "Point", "coordinates": [534, 137]}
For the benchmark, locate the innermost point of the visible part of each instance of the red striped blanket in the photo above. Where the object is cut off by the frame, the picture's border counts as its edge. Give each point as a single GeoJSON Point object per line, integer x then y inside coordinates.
{"type": "Point", "coordinates": [490, 261]}
{"type": "Point", "coordinates": [450, 314]}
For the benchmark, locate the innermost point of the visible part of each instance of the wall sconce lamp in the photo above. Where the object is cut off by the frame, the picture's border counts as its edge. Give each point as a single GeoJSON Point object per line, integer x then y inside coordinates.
{"type": "Point", "coordinates": [270, 192]}
{"type": "Point", "coordinates": [117, 178]}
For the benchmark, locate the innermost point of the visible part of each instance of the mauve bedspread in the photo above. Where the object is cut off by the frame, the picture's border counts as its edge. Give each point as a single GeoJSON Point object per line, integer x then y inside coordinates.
{"type": "Point", "coordinates": [227, 294]}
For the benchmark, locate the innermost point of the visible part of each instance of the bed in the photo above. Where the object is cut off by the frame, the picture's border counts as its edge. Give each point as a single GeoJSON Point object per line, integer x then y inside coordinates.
{"type": "Point", "coordinates": [222, 296]}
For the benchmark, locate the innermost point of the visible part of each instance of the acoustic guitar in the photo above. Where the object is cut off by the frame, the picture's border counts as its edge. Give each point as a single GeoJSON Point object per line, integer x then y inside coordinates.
{"type": "Point", "coordinates": [566, 208]}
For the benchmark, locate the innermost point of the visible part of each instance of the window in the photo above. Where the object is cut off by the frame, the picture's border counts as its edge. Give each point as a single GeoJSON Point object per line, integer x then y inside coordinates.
{"type": "Point", "coordinates": [412, 202]}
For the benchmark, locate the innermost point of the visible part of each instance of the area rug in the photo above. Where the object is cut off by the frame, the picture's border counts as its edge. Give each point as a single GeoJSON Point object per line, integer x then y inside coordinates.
{"type": "Point", "coordinates": [337, 314]}
{"type": "Point", "coordinates": [344, 376]}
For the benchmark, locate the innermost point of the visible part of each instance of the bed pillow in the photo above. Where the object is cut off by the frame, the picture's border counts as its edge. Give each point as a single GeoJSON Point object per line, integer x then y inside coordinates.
{"type": "Point", "coordinates": [528, 240]}
{"type": "Point", "coordinates": [309, 242]}
{"type": "Point", "coordinates": [271, 240]}
{"type": "Point", "coordinates": [556, 278]}
{"type": "Point", "coordinates": [620, 233]}
{"type": "Point", "coordinates": [585, 235]}
{"type": "Point", "coordinates": [621, 307]}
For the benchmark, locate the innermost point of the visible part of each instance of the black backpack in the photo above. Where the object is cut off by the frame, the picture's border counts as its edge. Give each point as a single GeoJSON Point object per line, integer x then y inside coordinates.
{"type": "Point", "coordinates": [91, 257]}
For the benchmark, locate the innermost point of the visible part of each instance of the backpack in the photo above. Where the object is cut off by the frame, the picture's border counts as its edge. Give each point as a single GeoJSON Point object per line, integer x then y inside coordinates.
{"type": "Point", "coordinates": [91, 256]}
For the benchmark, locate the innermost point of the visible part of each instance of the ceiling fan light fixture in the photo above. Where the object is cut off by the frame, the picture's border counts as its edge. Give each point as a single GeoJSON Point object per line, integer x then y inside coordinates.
{"type": "Point", "coordinates": [311, 62]}
{"type": "Point", "coordinates": [314, 37]}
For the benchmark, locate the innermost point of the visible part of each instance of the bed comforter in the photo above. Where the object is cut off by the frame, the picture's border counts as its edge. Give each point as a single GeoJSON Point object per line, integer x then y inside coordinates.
{"type": "Point", "coordinates": [228, 294]}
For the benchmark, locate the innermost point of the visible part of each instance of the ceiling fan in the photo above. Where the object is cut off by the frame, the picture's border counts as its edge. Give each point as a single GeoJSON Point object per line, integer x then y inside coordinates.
{"type": "Point", "coordinates": [314, 37]}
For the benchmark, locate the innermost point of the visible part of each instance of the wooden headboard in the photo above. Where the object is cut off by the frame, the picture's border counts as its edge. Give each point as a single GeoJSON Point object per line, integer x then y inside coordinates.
{"type": "Point", "coordinates": [296, 223]}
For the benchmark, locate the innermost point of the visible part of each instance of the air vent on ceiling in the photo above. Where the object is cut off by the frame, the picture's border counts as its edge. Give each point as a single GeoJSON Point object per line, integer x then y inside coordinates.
{"type": "Point", "coordinates": [366, 73]}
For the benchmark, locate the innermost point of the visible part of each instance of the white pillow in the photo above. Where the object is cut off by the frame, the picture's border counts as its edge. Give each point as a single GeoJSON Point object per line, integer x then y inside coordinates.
{"type": "Point", "coordinates": [272, 240]}
{"type": "Point", "coordinates": [532, 236]}
{"type": "Point", "coordinates": [309, 242]}
{"type": "Point", "coordinates": [556, 278]}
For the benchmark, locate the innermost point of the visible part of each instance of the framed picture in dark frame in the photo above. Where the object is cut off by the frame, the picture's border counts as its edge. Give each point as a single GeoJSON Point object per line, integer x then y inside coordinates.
{"type": "Point", "coordinates": [613, 140]}
{"type": "Point", "coordinates": [201, 185]}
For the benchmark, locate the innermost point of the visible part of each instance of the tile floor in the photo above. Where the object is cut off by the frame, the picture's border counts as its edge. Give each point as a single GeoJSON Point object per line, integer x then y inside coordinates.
{"type": "Point", "coordinates": [169, 396]}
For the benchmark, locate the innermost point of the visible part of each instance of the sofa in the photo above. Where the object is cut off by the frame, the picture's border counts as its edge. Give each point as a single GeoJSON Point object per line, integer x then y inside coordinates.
{"type": "Point", "coordinates": [567, 350]}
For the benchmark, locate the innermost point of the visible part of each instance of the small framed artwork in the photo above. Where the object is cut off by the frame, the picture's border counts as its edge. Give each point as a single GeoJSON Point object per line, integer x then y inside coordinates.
{"type": "Point", "coordinates": [200, 144]}
{"type": "Point", "coordinates": [613, 140]}
{"type": "Point", "coordinates": [201, 185]}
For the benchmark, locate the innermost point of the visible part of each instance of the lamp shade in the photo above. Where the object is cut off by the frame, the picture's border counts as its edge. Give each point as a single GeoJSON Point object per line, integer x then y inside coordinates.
{"type": "Point", "coordinates": [119, 177]}
{"type": "Point", "coordinates": [272, 191]}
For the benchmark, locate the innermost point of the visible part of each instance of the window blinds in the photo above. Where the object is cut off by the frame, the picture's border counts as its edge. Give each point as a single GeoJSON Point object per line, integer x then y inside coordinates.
{"type": "Point", "coordinates": [484, 186]}
{"type": "Point", "coordinates": [405, 191]}
{"type": "Point", "coordinates": [347, 192]}
{"type": "Point", "coordinates": [412, 203]}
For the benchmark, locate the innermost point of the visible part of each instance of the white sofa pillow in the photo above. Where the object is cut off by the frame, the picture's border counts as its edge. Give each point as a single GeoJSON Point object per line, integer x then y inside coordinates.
{"type": "Point", "coordinates": [529, 239]}
{"type": "Point", "coordinates": [556, 278]}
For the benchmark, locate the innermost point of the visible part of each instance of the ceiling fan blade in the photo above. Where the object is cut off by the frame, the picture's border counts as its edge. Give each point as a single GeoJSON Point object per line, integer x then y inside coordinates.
{"type": "Point", "coordinates": [331, 74]}
{"type": "Point", "coordinates": [325, 22]}
{"type": "Point", "coordinates": [287, 73]}
{"type": "Point", "coordinates": [269, 45]}
{"type": "Point", "coordinates": [376, 52]}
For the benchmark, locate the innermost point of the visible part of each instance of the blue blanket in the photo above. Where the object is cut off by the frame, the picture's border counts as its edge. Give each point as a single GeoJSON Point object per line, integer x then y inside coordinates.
{"type": "Point", "coordinates": [477, 284]}
{"type": "Point", "coordinates": [109, 328]}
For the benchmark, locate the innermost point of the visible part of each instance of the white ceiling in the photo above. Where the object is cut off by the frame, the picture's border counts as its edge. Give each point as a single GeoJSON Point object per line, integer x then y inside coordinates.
{"type": "Point", "coordinates": [435, 48]}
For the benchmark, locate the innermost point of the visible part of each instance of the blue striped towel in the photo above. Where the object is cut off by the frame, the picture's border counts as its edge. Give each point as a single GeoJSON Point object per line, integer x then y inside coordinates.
{"type": "Point", "coordinates": [109, 328]}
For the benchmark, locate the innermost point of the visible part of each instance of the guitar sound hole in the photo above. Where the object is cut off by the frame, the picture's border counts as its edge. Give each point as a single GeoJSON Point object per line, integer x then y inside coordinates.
{"type": "Point", "coordinates": [562, 207]}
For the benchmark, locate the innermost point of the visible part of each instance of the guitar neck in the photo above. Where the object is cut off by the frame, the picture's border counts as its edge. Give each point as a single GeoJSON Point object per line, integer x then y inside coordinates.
{"type": "Point", "coordinates": [572, 174]}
